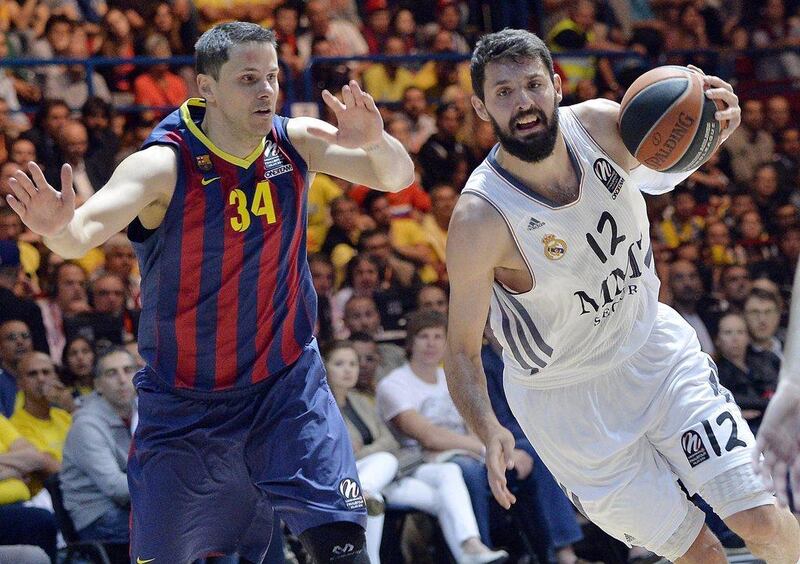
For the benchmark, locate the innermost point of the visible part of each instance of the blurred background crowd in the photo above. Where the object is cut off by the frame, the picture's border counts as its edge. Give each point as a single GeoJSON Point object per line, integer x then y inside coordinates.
{"type": "Point", "coordinates": [726, 243]}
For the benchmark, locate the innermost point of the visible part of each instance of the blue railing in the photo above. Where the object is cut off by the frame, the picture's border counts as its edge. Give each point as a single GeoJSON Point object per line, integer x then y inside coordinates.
{"type": "Point", "coordinates": [301, 88]}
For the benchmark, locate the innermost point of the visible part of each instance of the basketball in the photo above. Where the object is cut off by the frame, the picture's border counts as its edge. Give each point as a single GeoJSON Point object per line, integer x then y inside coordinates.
{"type": "Point", "coordinates": [666, 121]}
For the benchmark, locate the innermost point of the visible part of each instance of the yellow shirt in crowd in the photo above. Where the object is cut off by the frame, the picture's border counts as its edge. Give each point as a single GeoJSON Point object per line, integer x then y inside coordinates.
{"type": "Point", "coordinates": [12, 490]}
{"type": "Point", "coordinates": [47, 435]}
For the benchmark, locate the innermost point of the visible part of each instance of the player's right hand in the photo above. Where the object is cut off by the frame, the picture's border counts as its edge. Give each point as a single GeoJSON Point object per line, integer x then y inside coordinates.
{"type": "Point", "coordinates": [500, 447]}
{"type": "Point", "coordinates": [42, 208]}
{"type": "Point", "coordinates": [779, 440]}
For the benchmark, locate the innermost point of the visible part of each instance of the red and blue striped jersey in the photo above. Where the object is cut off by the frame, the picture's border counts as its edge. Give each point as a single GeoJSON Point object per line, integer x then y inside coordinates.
{"type": "Point", "coordinates": [227, 298]}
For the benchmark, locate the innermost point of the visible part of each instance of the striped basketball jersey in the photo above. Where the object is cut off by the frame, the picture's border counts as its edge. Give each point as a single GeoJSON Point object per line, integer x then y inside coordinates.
{"type": "Point", "coordinates": [227, 298]}
{"type": "Point", "coordinates": [595, 291]}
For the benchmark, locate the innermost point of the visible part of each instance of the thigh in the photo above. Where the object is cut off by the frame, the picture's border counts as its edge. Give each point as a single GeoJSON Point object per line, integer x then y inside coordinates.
{"type": "Point", "coordinates": [112, 527]}
{"type": "Point", "coordinates": [377, 470]}
{"type": "Point", "coordinates": [700, 431]}
{"type": "Point", "coordinates": [190, 490]}
{"type": "Point", "coordinates": [413, 492]}
{"type": "Point", "coordinates": [299, 453]}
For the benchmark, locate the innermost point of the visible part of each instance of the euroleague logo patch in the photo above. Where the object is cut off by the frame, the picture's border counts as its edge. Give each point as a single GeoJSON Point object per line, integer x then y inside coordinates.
{"type": "Point", "coordinates": [351, 493]}
{"type": "Point", "coordinates": [694, 448]}
{"type": "Point", "coordinates": [609, 176]}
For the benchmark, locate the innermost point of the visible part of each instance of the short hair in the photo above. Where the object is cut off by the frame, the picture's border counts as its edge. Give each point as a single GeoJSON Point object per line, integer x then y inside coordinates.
{"type": "Point", "coordinates": [101, 356]}
{"type": "Point", "coordinates": [212, 50]}
{"type": "Point", "coordinates": [420, 320]}
{"type": "Point", "coordinates": [53, 21]}
{"type": "Point", "coordinates": [515, 45]}
{"type": "Point", "coordinates": [333, 346]}
{"type": "Point", "coordinates": [766, 295]}
{"type": "Point", "coordinates": [117, 240]}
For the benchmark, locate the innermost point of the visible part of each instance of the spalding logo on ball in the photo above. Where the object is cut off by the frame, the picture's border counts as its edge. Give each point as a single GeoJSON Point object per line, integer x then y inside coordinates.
{"type": "Point", "coordinates": [667, 122]}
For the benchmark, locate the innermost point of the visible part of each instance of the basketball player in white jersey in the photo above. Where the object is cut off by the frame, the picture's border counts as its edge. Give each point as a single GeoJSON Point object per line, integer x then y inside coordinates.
{"type": "Point", "coordinates": [779, 433]}
{"type": "Point", "coordinates": [609, 385]}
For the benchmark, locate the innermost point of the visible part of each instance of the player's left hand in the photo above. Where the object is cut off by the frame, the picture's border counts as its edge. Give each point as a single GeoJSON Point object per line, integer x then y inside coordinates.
{"type": "Point", "coordinates": [358, 120]}
{"type": "Point", "coordinates": [718, 89]}
{"type": "Point", "coordinates": [500, 446]}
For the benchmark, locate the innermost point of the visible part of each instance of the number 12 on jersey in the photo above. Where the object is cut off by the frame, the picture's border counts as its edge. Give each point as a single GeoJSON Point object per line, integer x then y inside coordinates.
{"type": "Point", "coordinates": [262, 205]}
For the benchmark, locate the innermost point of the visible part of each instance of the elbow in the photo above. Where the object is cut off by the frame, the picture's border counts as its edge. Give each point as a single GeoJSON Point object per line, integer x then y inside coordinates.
{"type": "Point", "coordinates": [403, 177]}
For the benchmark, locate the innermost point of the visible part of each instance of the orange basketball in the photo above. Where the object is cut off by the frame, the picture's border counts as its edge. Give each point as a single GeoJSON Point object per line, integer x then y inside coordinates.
{"type": "Point", "coordinates": [667, 122]}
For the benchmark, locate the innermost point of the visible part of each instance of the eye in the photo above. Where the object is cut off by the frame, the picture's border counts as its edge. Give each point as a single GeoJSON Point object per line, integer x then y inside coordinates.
{"type": "Point", "coordinates": [272, 77]}
{"type": "Point", "coordinates": [248, 78]}
{"type": "Point", "coordinates": [534, 84]}
{"type": "Point", "coordinates": [503, 92]}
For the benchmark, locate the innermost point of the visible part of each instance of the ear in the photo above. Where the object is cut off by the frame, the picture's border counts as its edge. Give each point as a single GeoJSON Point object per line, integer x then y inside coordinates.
{"type": "Point", "coordinates": [558, 87]}
{"type": "Point", "coordinates": [206, 86]}
{"type": "Point", "coordinates": [479, 107]}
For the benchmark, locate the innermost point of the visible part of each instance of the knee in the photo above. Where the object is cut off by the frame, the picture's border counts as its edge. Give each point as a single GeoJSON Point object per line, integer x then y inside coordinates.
{"type": "Point", "coordinates": [388, 461]}
{"type": "Point", "coordinates": [705, 549]}
{"type": "Point", "coordinates": [758, 526]}
{"type": "Point", "coordinates": [341, 542]}
{"type": "Point", "coordinates": [450, 471]}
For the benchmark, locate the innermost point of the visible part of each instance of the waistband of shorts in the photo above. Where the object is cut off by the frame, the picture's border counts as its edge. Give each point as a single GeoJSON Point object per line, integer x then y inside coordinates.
{"type": "Point", "coordinates": [148, 378]}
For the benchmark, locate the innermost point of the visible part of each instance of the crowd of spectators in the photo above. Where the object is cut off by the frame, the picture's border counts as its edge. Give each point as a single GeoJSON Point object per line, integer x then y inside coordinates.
{"type": "Point", "coordinates": [726, 244]}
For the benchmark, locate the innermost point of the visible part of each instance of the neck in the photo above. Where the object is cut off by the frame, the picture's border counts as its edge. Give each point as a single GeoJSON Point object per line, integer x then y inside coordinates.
{"type": "Point", "coordinates": [442, 222]}
{"type": "Point", "coordinates": [551, 173]}
{"type": "Point", "coordinates": [738, 361]}
{"type": "Point", "coordinates": [764, 343]}
{"type": "Point", "coordinates": [124, 411]}
{"type": "Point", "coordinates": [223, 137]}
{"type": "Point", "coordinates": [39, 409]}
{"type": "Point", "coordinates": [340, 395]}
{"type": "Point", "coordinates": [424, 372]}
{"type": "Point", "coordinates": [685, 308]}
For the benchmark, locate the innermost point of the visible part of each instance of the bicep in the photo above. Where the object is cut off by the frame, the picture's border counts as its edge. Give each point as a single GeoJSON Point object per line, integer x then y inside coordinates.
{"type": "Point", "coordinates": [139, 181]}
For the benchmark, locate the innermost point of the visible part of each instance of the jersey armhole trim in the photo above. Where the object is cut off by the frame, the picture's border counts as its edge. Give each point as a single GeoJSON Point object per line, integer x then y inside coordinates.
{"type": "Point", "coordinates": [516, 243]}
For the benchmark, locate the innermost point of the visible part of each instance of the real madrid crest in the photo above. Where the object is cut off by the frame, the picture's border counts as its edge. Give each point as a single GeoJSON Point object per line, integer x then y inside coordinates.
{"type": "Point", "coordinates": [554, 248]}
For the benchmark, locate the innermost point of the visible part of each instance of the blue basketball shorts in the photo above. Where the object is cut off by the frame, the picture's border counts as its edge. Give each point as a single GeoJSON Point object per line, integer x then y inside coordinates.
{"type": "Point", "coordinates": [209, 475]}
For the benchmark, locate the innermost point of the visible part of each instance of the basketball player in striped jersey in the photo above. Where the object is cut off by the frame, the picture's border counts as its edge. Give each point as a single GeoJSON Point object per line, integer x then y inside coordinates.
{"type": "Point", "coordinates": [550, 238]}
{"type": "Point", "coordinates": [237, 425]}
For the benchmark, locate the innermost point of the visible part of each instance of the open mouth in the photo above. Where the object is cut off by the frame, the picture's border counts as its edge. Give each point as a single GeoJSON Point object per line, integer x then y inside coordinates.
{"type": "Point", "coordinates": [264, 112]}
{"type": "Point", "coordinates": [528, 123]}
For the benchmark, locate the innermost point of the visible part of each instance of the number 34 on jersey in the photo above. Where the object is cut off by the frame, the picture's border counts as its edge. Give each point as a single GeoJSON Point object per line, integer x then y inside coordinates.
{"type": "Point", "coordinates": [260, 205]}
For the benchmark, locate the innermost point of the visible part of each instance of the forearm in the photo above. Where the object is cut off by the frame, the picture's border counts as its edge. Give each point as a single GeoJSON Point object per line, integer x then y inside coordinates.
{"type": "Point", "coordinates": [71, 242]}
{"type": "Point", "coordinates": [25, 461]}
{"type": "Point", "coordinates": [391, 164]}
{"type": "Point", "coordinates": [467, 385]}
{"type": "Point", "coordinates": [444, 439]}
{"type": "Point", "coordinates": [790, 369]}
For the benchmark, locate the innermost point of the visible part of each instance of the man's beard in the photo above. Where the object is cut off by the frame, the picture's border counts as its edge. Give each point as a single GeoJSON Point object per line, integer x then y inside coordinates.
{"type": "Point", "coordinates": [532, 148]}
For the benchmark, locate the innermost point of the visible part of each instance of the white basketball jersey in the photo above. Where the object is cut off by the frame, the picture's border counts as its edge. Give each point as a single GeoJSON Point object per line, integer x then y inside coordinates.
{"type": "Point", "coordinates": [595, 293]}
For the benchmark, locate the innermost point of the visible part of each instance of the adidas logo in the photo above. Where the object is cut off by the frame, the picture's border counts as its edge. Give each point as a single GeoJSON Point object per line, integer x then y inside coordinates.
{"type": "Point", "coordinates": [629, 538]}
{"type": "Point", "coordinates": [534, 224]}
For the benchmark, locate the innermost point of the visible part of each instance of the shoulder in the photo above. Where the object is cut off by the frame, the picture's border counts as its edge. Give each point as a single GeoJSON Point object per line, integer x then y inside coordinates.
{"type": "Point", "coordinates": [476, 226]}
{"type": "Point", "coordinates": [599, 118]}
{"type": "Point", "coordinates": [60, 417]}
{"type": "Point", "coordinates": [396, 377]}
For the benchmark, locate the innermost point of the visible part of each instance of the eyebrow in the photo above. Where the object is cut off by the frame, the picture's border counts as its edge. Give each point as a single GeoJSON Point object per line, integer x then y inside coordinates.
{"type": "Point", "coordinates": [253, 69]}
{"type": "Point", "coordinates": [528, 76]}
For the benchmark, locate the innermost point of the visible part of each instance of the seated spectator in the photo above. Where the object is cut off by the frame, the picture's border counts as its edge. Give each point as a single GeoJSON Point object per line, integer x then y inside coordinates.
{"type": "Point", "coordinates": [77, 367]}
{"type": "Point", "coordinates": [416, 403]}
{"type": "Point", "coordinates": [378, 24]}
{"type": "Point", "coordinates": [550, 505]}
{"type": "Point", "coordinates": [768, 189]}
{"type": "Point", "coordinates": [396, 270]}
{"type": "Point", "coordinates": [749, 145]}
{"type": "Point", "coordinates": [682, 223]}
{"type": "Point", "coordinates": [342, 237]}
{"type": "Point", "coordinates": [763, 314]}
{"type": "Point", "coordinates": [361, 316]}
{"type": "Point", "coordinates": [436, 223]}
{"type": "Point", "coordinates": [433, 298]}
{"type": "Point", "coordinates": [121, 42]}
{"type": "Point", "coordinates": [754, 245]}
{"type": "Point", "coordinates": [776, 28]}
{"type": "Point", "coordinates": [54, 43]}
{"type": "Point", "coordinates": [369, 359]}
{"type": "Point", "coordinates": [68, 298]}
{"type": "Point", "coordinates": [158, 86]}
{"type": "Point", "coordinates": [50, 119]}
{"type": "Point", "coordinates": [751, 389]}
{"type": "Point", "coordinates": [97, 114]}
{"type": "Point", "coordinates": [15, 342]}
{"type": "Point", "coordinates": [321, 194]}
{"type": "Point", "coordinates": [22, 151]}
{"type": "Point", "coordinates": [89, 174]}
{"type": "Point", "coordinates": [120, 259]}
{"type": "Point", "coordinates": [436, 76]}
{"type": "Point", "coordinates": [735, 283]}
{"type": "Point", "coordinates": [13, 88]}
{"type": "Point", "coordinates": [286, 23]}
{"type": "Point", "coordinates": [37, 420]}
{"type": "Point", "coordinates": [12, 230]}
{"type": "Point", "coordinates": [19, 462]}
{"type": "Point", "coordinates": [436, 488]}
{"type": "Point", "coordinates": [94, 472]}
{"type": "Point", "coordinates": [439, 154]}
{"type": "Point", "coordinates": [415, 110]}
{"type": "Point", "coordinates": [344, 37]}
{"type": "Point", "coordinates": [687, 290]}
{"type": "Point", "coordinates": [12, 306]}
{"type": "Point", "coordinates": [448, 18]}
{"type": "Point", "coordinates": [108, 297]}
{"type": "Point", "coordinates": [166, 23]}
{"type": "Point", "coordinates": [405, 27]}
{"type": "Point", "coordinates": [71, 84]}
{"type": "Point", "coordinates": [387, 81]}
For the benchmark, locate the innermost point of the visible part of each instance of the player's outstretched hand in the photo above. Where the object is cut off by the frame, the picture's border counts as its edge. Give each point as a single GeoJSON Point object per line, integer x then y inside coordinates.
{"type": "Point", "coordinates": [500, 447]}
{"type": "Point", "coordinates": [359, 122]}
{"type": "Point", "coordinates": [718, 89]}
{"type": "Point", "coordinates": [779, 440]}
{"type": "Point", "coordinates": [42, 208]}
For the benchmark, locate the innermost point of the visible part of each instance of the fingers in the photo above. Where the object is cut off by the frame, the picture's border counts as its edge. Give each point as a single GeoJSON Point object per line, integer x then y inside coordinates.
{"type": "Point", "coordinates": [498, 485]}
{"type": "Point", "coordinates": [698, 70]}
{"type": "Point", "coordinates": [38, 176]}
{"type": "Point", "coordinates": [322, 134]}
{"type": "Point", "coordinates": [347, 96]}
{"type": "Point", "coordinates": [332, 102]}
{"type": "Point", "coordinates": [67, 190]}
{"type": "Point", "coordinates": [22, 186]}
{"type": "Point", "coordinates": [16, 205]}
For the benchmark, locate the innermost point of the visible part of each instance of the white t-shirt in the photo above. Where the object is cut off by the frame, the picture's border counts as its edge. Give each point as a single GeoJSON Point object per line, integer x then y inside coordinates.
{"type": "Point", "coordinates": [401, 390]}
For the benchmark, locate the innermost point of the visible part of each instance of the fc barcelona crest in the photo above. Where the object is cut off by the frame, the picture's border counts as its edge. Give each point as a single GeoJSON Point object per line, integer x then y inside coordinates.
{"type": "Point", "coordinates": [204, 163]}
{"type": "Point", "coordinates": [554, 248]}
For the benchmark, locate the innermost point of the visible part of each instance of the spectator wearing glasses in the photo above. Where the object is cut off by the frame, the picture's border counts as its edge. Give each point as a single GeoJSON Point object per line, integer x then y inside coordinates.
{"type": "Point", "coordinates": [68, 298]}
{"type": "Point", "coordinates": [15, 342]}
{"type": "Point", "coordinates": [94, 475]}
{"type": "Point", "coordinates": [762, 312]}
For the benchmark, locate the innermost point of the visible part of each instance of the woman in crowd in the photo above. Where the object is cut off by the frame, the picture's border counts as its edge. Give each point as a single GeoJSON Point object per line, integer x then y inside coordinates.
{"type": "Point", "coordinates": [435, 488]}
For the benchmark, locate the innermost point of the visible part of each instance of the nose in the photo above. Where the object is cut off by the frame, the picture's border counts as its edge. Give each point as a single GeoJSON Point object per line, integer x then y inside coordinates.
{"type": "Point", "coordinates": [267, 91]}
